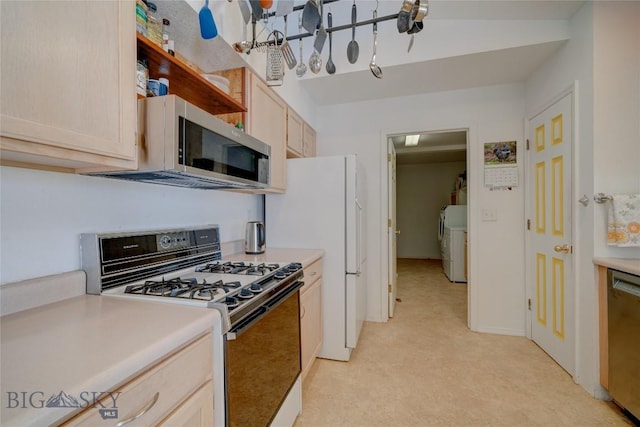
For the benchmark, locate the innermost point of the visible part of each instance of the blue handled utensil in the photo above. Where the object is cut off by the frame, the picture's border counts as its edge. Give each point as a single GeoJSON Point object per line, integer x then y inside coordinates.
{"type": "Point", "coordinates": [208, 29]}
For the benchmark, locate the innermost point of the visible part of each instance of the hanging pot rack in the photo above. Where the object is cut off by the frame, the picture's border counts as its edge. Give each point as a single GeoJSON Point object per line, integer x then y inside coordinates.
{"type": "Point", "coordinates": [300, 36]}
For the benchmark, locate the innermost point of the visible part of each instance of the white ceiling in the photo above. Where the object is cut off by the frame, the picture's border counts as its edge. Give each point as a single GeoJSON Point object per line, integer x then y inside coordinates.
{"type": "Point", "coordinates": [433, 147]}
{"type": "Point", "coordinates": [510, 65]}
{"type": "Point", "coordinates": [420, 76]}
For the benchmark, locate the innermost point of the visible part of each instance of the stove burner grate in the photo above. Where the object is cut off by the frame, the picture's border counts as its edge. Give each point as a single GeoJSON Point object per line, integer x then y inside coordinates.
{"type": "Point", "coordinates": [238, 268]}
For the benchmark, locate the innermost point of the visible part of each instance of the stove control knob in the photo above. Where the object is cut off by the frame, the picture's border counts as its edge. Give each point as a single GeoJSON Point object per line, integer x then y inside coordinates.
{"type": "Point", "coordinates": [280, 275]}
{"type": "Point", "coordinates": [245, 293]}
{"type": "Point", "coordinates": [165, 242]}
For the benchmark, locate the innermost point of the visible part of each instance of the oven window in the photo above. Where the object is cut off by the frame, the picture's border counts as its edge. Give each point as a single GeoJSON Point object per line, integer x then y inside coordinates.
{"type": "Point", "coordinates": [262, 365]}
{"type": "Point", "coordinates": [207, 150]}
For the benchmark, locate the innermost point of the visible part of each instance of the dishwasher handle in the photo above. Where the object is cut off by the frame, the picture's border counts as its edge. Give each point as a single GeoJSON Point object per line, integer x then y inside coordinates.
{"type": "Point", "coordinates": [627, 283]}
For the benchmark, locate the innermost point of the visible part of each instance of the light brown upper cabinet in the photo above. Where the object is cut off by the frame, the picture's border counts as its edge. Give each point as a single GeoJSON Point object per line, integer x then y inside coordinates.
{"type": "Point", "coordinates": [267, 121]}
{"type": "Point", "coordinates": [309, 141]}
{"type": "Point", "coordinates": [68, 84]}
{"type": "Point", "coordinates": [301, 138]}
{"type": "Point", "coordinates": [295, 125]}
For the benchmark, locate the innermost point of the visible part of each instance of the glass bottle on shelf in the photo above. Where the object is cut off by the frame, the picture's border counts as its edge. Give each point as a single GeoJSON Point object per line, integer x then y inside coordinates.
{"type": "Point", "coordinates": [154, 26]}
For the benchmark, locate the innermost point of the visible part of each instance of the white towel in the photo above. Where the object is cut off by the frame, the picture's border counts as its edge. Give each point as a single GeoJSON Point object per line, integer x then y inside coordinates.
{"type": "Point", "coordinates": [623, 225]}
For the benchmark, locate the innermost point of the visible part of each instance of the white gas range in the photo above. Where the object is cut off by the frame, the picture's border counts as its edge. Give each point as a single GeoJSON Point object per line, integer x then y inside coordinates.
{"type": "Point", "coordinates": [256, 300]}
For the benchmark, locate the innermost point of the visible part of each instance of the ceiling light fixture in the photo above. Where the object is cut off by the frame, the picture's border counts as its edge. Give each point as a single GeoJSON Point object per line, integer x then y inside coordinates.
{"type": "Point", "coordinates": [411, 140]}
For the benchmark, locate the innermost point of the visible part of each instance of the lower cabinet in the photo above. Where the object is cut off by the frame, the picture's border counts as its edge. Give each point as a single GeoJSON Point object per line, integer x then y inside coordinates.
{"type": "Point", "coordinates": [311, 316]}
{"type": "Point", "coordinates": [196, 411]}
{"type": "Point", "coordinates": [169, 393]}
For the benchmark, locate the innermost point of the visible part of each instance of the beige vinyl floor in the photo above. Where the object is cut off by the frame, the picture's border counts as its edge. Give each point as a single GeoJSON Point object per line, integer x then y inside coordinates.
{"type": "Point", "coordinates": [425, 368]}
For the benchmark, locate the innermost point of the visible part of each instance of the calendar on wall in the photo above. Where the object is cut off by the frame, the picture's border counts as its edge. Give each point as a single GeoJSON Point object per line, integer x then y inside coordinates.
{"type": "Point", "coordinates": [500, 164]}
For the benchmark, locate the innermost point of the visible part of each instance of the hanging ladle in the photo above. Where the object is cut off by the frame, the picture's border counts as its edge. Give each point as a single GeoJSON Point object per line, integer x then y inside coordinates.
{"type": "Point", "coordinates": [375, 69]}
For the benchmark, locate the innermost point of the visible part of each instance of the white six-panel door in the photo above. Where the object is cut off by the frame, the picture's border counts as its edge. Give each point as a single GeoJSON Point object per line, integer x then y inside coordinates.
{"type": "Point", "coordinates": [549, 274]}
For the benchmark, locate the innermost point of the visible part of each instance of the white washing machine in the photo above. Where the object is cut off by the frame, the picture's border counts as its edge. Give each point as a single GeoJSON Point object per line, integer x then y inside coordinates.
{"type": "Point", "coordinates": [453, 253]}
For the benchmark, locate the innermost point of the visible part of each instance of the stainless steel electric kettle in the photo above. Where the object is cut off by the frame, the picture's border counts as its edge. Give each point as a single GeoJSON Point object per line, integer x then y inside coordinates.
{"type": "Point", "coordinates": [254, 240]}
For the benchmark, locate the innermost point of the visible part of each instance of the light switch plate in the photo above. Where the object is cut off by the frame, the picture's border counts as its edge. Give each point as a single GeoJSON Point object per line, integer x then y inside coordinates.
{"type": "Point", "coordinates": [489, 215]}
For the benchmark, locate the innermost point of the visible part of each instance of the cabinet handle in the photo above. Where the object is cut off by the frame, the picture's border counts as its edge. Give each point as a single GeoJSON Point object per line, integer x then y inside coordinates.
{"type": "Point", "coordinates": [143, 411]}
{"type": "Point", "coordinates": [314, 273]}
{"type": "Point", "coordinates": [304, 311]}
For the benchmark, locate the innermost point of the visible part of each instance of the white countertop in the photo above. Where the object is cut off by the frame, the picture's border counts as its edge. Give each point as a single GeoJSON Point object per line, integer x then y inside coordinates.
{"type": "Point", "coordinates": [627, 265]}
{"type": "Point", "coordinates": [87, 343]}
{"type": "Point", "coordinates": [303, 256]}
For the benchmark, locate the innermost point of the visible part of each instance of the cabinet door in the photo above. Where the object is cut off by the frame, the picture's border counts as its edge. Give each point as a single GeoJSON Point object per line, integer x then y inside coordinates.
{"type": "Point", "coordinates": [310, 325]}
{"type": "Point", "coordinates": [196, 411]}
{"type": "Point", "coordinates": [268, 123]}
{"type": "Point", "coordinates": [295, 126]}
{"type": "Point", "coordinates": [158, 391]}
{"type": "Point", "coordinates": [309, 141]}
{"type": "Point", "coordinates": [68, 83]}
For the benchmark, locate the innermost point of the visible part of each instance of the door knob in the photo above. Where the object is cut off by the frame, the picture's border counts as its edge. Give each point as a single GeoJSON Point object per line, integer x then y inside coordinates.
{"type": "Point", "coordinates": [397, 231]}
{"type": "Point", "coordinates": [564, 248]}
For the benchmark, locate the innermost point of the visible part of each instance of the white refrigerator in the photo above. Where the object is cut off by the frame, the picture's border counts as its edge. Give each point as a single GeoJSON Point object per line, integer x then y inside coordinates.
{"type": "Point", "coordinates": [323, 209]}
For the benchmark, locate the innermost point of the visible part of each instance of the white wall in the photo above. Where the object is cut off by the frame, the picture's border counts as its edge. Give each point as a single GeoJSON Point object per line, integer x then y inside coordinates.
{"type": "Point", "coordinates": [491, 114]}
{"type": "Point", "coordinates": [603, 58]}
{"type": "Point", "coordinates": [43, 214]}
{"type": "Point", "coordinates": [616, 125]}
{"type": "Point", "coordinates": [422, 190]}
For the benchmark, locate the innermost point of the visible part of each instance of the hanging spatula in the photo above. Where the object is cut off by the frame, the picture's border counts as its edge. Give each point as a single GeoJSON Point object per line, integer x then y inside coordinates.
{"type": "Point", "coordinates": [256, 8]}
{"type": "Point", "coordinates": [284, 7]}
{"type": "Point", "coordinates": [208, 29]}
{"type": "Point", "coordinates": [310, 16]}
{"type": "Point", "coordinates": [321, 37]}
{"type": "Point", "coordinates": [285, 48]}
{"type": "Point", "coordinates": [245, 11]}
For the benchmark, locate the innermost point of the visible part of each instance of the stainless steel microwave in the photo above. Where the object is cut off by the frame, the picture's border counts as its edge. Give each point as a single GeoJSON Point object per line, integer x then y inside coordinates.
{"type": "Point", "coordinates": [183, 145]}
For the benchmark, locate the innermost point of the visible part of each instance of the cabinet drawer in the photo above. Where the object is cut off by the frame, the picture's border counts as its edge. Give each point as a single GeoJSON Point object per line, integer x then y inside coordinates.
{"type": "Point", "coordinates": [173, 378]}
{"type": "Point", "coordinates": [197, 411]}
{"type": "Point", "coordinates": [312, 273]}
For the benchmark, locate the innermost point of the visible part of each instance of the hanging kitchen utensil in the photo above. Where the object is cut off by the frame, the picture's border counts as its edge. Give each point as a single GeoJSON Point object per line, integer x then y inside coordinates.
{"type": "Point", "coordinates": [321, 36]}
{"type": "Point", "coordinates": [353, 50]}
{"type": "Point", "coordinates": [208, 29]}
{"type": "Point", "coordinates": [310, 16]}
{"type": "Point", "coordinates": [245, 11]}
{"type": "Point", "coordinates": [256, 9]}
{"type": "Point", "coordinates": [375, 69]}
{"type": "Point", "coordinates": [416, 28]}
{"type": "Point", "coordinates": [285, 48]}
{"type": "Point", "coordinates": [315, 62]}
{"type": "Point", "coordinates": [266, 4]}
{"type": "Point", "coordinates": [275, 66]}
{"type": "Point", "coordinates": [284, 7]}
{"type": "Point", "coordinates": [302, 68]}
{"type": "Point", "coordinates": [331, 68]}
{"type": "Point", "coordinates": [405, 22]}
{"type": "Point", "coordinates": [419, 10]}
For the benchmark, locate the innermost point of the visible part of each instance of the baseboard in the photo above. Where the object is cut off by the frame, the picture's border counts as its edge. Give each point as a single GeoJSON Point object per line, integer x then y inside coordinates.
{"type": "Point", "coordinates": [502, 331]}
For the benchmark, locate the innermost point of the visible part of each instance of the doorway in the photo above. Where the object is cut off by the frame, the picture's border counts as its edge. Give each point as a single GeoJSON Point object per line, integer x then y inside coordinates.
{"type": "Point", "coordinates": [426, 171]}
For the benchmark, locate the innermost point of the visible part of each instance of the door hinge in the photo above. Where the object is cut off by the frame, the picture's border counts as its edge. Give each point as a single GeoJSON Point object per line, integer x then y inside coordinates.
{"type": "Point", "coordinates": [389, 222]}
{"type": "Point", "coordinates": [388, 157]}
{"type": "Point", "coordinates": [527, 144]}
{"type": "Point", "coordinates": [390, 289]}
{"type": "Point", "coordinates": [529, 304]}
{"type": "Point", "coordinates": [528, 224]}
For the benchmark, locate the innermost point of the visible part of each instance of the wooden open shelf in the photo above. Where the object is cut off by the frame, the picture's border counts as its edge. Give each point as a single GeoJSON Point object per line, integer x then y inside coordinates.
{"type": "Point", "coordinates": [184, 81]}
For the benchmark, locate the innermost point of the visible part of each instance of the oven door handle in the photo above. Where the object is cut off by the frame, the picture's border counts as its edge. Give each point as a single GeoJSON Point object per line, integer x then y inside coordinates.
{"type": "Point", "coordinates": [260, 312]}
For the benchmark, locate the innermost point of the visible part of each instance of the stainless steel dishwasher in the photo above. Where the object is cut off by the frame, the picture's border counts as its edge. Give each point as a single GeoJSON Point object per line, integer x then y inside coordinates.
{"type": "Point", "coordinates": [623, 299]}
